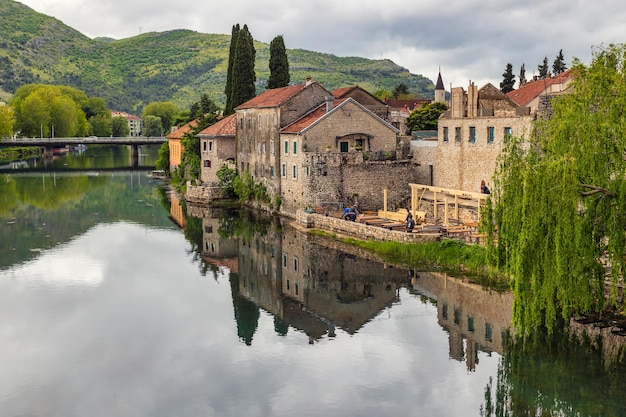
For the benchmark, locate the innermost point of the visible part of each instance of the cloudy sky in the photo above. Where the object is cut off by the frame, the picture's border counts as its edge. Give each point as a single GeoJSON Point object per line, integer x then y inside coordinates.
{"type": "Point", "coordinates": [467, 39]}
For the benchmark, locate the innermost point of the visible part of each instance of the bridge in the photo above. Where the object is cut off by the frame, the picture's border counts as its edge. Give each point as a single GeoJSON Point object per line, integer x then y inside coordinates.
{"type": "Point", "coordinates": [91, 140]}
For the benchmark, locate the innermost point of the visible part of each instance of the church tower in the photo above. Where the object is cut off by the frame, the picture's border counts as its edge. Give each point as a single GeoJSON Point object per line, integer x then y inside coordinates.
{"type": "Point", "coordinates": [440, 91]}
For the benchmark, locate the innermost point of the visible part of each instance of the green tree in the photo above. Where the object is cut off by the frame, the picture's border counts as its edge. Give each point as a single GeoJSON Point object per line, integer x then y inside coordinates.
{"type": "Point", "coordinates": [243, 78]}
{"type": "Point", "coordinates": [508, 79]}
{"type": "Point", "coordinates": [425, 117]}
{"type": "Point", "coordinates": [522, 75]}
{"type": "Point", "coordinates": [279, 64]}
{"type": "Point", "coordinates": [560, 198]}
{"type": "Point", "coordinates": [400, 91]}
{"type": "Point", "coordinates": [163, 163]}
{"type": "Point", "coordinates": [7, 121]}
{"type": "Point", "coordinates": [165, 110]}
{"type": "Point", "coordinates": [152, 126]}
{"type": "Point", "coordinates": [383, 95]}
{"type": "Point", "coordinates": [543, 68]}
{"type": "Point", "coordinates": [558, 66]}
{"type": "Point", "coordinates": [228, 89]}
{"type": "Point", "coordinates": [101, 125]}
{"type": "Point", "coordinates": [226, 180]}
{"type": "Point", "coordinates": [120, 127]}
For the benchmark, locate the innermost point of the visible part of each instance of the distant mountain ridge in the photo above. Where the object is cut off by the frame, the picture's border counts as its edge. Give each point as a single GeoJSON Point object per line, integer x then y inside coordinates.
{"type": "Point", "coordinates": [177, 65]}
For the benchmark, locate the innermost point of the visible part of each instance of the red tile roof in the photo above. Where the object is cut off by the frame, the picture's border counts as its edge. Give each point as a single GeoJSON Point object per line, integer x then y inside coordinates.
{"type": "Point", "coordinates": [340, 92]}
{"type": "Point", "coordinates": [180, 132]}
{"type": "Point", "coordinates": [525, 94]}
{"type": "Point", "coordinates": [310, 118]}
{"type": "Point", "coordinates": [225, 127]}
{"type": "Point", "coordinates": [274, 97]}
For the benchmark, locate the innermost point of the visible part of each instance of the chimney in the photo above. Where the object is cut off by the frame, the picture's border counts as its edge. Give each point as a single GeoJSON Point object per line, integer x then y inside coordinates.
{"type": "Point", "coordinates": [308, 81]}
{"type": "Point", "coordinates": [329, 103]}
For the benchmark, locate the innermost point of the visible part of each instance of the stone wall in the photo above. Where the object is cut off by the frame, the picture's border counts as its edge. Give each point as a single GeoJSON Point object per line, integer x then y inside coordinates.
{"type": "Point", "coordinates": [359, 230]}
{"type": "Point", "coordinates": [202, 194]}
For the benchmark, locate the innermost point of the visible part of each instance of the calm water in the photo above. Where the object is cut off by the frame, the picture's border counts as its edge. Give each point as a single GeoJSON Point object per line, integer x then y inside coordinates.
{"type": "Point", "coordinates": [115, 303]}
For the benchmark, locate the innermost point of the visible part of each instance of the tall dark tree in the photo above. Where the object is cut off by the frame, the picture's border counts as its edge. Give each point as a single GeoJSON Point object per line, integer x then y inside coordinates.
{"type": "Point", "coordinates": [279, 64]}
{"type": "Point", "coordinates": [559, 64]}
{"type": "Point", "coordinates": [243, 75]}
{"type": "Point", "coordinates": [543, 68]}
{"type": "Point", "coordinates": [522, 75]}
{"type": "Point", "coordinates": [228, 90]}
{"type": "Point", "coordinates": [400, 91]}
{"type": "Point", "coordinates": [509, 79]}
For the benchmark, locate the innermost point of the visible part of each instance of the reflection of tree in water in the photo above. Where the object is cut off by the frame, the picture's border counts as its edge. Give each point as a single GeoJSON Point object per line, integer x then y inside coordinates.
{"type": "Point", "coordinates": [556, 376]}
{"type": "Point", "coordinates": [8, 194]}
{"type": "Point", "coordinates": [246, 312]}
{"type": "Point", "coordinates": [281, 327]}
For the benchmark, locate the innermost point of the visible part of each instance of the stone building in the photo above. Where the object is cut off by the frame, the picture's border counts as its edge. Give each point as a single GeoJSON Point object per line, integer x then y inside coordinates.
{"type": "Point", "coordinates": [135, 124]}
{"type": "Point", "coordinates": [530, 93]}
{"type": "Point", "coordinates": [471, 136]}
{"type": "Point", "coordinates": [174, 142]}
{"type": "Point", "coordinates": [217, 147]}
{"type": "Point", "coordinates": [307, 147]}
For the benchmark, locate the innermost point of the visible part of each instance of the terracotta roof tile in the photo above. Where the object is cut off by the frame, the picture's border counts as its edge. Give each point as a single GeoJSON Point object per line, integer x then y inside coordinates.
{"type": "Point", "coordinates": [225, 127]}
{"type": "Point", "coordinates": [273, 98]}
{"type": "Point", "coordinates": [310, 118]}
{"type": "Point", "coordinates": [525, 94]}
{"type": "Point", "coordinates": [340, 92]}
{"type": "Point", "coordinates": [180, 132]}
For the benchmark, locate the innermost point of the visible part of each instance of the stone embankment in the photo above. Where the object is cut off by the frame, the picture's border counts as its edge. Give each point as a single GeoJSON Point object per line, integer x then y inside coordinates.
{"type": "Point", "coordinates": [202, 194]}
{"type": "Point", "coordinates": [360, 230]}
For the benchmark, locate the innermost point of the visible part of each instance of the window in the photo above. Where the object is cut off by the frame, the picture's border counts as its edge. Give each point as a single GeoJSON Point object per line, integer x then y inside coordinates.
{"type": "Point", "coordinates": [272, 171]}
{"type": "Point", "coordinates": [284, 170]}
{"type": "Point", "coordinates": [241, 123]}
{"type": "Point", "coordinates": [488, 332]}
{"type": "Point", "coordinates": [258, 148]}
{"type": "Point", "coordinates": [260, 120]}
{"type": "Point", "coordinates": [295, 264]}
{"type": "Point", "coordinates": [204, 145]}
{"type": "Point", "coordinates": [457, 134]}
{"type": "Point", "coordinates": [295, 147]}
{"type": "Point", "coordinates": [275, 119]}
{"type": "Point", "coordinates": [358, 144]}
{"type": "Point", "coordinates": [343, 146]}
{"type": "Point", "coordinates": [472, 134]}
{"type": "Point", "coordinates": [507, 133]}
{"type": "Point", "coordinates": [294, 170]}
{"type": "Point", "coordinates": [307, 171]}
{"type": "Point", "coordinates": [470, 324]}
{"type": "Point", "coordinates": [286, 147]}
{"type": "Point", "coordinates": [264, 148]}
{"type": "Point", "coordinates": [207, 163]}
{"type": "Point", "coordinates": [249, 122]}
{"type": "Point", "coordinates": [445, 134]}
{"type": "Point", "coordinates": [490, 134]}
{"type": "Point", "coordinates": [210, 146]}
{"type": "Point", "coordinates": [272, 147]}
{"type": "Point", "coordinates": [285, 262]}
{"type": "Point", "coordinates": [267, 119]}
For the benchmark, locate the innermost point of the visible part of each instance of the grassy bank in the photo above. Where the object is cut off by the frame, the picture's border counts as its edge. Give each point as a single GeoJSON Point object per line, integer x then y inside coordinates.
{"type": "Point", "coordinates": [17, 154]}
{"type": "Point", "coordinates": [451, 256]}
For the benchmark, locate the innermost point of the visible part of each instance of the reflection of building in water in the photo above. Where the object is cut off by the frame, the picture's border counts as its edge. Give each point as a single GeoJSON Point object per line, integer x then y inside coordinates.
{"type": "Point", "coordinates": [475, 318]}
{"type": "Point", "coordinates": [218, 250]}
{"type": "Point", "coordinates": [313, 288]}
{"type": "Point", "coordinates": [176, 211]}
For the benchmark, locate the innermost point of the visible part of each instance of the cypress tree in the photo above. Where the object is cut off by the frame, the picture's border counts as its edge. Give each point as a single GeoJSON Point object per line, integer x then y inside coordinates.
{"type": "Point", "coordinates": [243, 75]}
{"type": "Point", "coordinates": [509, 79]}
{"type": "Point", "coordinates": [228, 90]}
{"type": "Point", "coordinates": [279, 64]}
{"type": "Point", "coordinates": [559, 64]}
{"type": "Point", "coordinates": [543, 68]}
{"type": "Point", "coordinates": [522, 75]}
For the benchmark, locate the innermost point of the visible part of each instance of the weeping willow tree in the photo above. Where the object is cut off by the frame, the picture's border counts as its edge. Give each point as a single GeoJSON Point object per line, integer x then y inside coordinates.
{"type": "Point", "coordinates": [559, 201]}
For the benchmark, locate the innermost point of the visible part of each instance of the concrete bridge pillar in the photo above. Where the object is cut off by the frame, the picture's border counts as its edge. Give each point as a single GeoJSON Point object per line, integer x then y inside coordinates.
{"type": "Point", "coordinates": [48, 151]}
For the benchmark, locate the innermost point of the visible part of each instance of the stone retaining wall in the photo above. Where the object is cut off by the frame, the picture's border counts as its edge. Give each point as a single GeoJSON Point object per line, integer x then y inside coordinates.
{"type": "Point", "coordinates": [361, 231]}
{"type": "Point", "coordinates": [202, 194]}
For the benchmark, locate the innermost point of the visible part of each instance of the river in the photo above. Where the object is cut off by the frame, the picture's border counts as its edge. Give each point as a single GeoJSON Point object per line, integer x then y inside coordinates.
{"type": "Point", "coordinates": [116, 300]}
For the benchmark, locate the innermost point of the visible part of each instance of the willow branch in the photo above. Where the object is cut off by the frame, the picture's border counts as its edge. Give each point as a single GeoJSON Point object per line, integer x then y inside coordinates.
{"type": "Point", "coordinates": [595, 190]}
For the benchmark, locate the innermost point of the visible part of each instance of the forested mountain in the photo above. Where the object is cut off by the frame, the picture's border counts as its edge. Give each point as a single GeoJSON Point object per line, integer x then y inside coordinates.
{"type": "Point", "coordinates": [176, 66]}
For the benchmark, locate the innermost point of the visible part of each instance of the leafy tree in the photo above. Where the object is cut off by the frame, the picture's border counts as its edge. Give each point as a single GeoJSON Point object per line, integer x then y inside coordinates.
{"type": "Point", "coordinates": [400, 91]}
{"type": "Point", "coordinates": [243, 77]}
{"type": "Point", "coordinates": [101, 125]}
{"type": "Point", "coordinates": [508, 79]}
{"type": "Point", "coordinates": [559, 199]}
{"type": "Point", "coordinates": [543, 68]}
{"type": "Point", "coordinates": [163, 163]}
{"type": "Point", "coordinates": [226, 180]}
{"type": "Point", "coordinates": [120, 127]}
{"type": "Point", "coordinates": [279, 64]}
{"type": "Point", "coordinates": [40, 109]}
{"type": "Point", "coordinates": [7, 121]}
{"type": "Point", "coordinates": [165, 110]}
{"type": "Point", "coordinates": [522, 75]}
{"type": "Point", "coordinates": [425, 117]}
{"type": "Point", "coordinates": [228, 89]}
{"type": "Point", "coordinates": [559, 64]}
{"type": "Point", "coordinates": [152, 126]}
{"type": "Point", "coordinates": [383, 95]}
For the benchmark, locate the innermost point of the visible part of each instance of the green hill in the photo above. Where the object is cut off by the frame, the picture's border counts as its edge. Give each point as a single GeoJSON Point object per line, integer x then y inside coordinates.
{"type": "Point", "coordinates": [176, 65]}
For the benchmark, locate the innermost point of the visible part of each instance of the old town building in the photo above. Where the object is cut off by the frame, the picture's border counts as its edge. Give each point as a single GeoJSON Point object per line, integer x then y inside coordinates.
{"type": "Point", "coordinates": [217, 147]}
